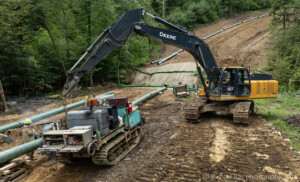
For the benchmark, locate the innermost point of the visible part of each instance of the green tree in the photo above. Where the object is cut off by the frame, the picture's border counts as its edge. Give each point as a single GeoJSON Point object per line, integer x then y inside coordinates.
{"type": "Point", "coordinates": [283, 57]}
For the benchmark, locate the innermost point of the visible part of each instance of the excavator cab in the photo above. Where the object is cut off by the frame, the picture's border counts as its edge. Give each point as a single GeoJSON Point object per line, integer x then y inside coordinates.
{"type": "Point", "coordinates": [230, 82]}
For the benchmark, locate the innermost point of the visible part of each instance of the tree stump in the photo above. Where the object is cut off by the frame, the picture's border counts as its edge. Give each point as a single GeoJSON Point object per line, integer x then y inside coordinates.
{"type": "Point", "coordinates": [2, 99]}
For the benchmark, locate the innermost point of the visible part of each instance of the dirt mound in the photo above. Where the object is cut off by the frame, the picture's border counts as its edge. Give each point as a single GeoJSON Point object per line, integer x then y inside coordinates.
{"type": "Point", "coordinates": [294, 120]}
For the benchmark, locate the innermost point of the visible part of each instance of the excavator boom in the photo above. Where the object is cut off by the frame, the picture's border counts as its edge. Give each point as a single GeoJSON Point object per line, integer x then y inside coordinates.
{"type": "Point", "coordinates": [115, 35]}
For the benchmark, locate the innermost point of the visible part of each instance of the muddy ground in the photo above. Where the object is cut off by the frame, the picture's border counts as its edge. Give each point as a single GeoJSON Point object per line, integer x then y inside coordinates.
{"type": "Point", "coordinates": [213, 149]}
{"type": "Point", "coordinates": [294, 120]}
{"type": "Point", "coordinates": [174, 150]}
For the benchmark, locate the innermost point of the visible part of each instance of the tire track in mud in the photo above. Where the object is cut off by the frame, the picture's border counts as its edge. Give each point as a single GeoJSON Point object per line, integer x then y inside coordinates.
{"type": "Point", "coordinates": [249, 153]}
{"type": "Point", "coordinates": [255, 151]}
{"type": "Point", "coordinates": [220, 144]}
{"type": "Point", "coordinates": [179, 160]}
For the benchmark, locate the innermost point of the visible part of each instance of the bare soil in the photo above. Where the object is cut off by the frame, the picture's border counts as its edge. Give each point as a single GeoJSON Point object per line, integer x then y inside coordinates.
{"type": "Point", "coordinates": [294, 120]}
{"type": "Point", "coordinates": [244, 44]}
{"type": "Point", "coordinates": [173, 150]}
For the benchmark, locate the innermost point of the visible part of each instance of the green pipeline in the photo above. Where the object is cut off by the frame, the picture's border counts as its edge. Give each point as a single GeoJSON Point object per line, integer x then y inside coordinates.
{"type": "Point", "coordinates": [44, 115]}
{"type": "Point", "coordinates": [164, 72]}
{"type": "Point", "coordinates": [149, 95]}
{"type": "Point", "coordinates": [169, 86]}
{"type": "Point", "coordinates": [19, 150]}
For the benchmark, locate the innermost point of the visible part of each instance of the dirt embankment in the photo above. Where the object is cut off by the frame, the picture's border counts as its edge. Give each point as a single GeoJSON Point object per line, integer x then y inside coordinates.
{"type": "Point", "coordinates": [244, 44]}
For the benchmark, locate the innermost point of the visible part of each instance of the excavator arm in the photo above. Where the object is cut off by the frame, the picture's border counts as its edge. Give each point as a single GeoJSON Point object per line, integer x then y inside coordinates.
{"type": "Point", "coordinates": [115, 35]}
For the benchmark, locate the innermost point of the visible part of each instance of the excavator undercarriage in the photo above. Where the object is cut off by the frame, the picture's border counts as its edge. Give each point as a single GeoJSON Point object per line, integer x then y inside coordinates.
{"type": "Point", "coordinates": [241, 110]}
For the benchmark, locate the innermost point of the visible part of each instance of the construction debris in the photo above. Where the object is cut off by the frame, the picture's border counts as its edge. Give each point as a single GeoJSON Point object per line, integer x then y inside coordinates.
{"type": "Point", "coordinates": [49, 163]}
{"type": "Point", "coordinates": [15, 170]}
{"type": "Point", "coordinates": [180, 91]}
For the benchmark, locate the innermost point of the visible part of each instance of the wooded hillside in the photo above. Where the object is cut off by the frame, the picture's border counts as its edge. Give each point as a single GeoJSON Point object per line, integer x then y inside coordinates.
{"type": "Point", "coordinates": [40, 40]}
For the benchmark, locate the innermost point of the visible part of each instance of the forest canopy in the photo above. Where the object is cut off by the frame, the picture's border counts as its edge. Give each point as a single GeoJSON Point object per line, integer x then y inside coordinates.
{"type": "Point", "coordinates": [41, 40]}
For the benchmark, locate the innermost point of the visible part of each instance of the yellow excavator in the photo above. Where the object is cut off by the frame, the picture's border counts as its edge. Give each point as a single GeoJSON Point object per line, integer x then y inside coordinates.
{"type": "Point", "coordinates": [227, 90]}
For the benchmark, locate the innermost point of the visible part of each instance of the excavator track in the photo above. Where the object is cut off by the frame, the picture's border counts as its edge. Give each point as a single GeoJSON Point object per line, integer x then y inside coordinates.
{"type": "Point", "coordinates": [192, 110]}
{"type": "Point", "coordinates": [118, 148]}
{"type": "Point", "coordinates": [243, 111]}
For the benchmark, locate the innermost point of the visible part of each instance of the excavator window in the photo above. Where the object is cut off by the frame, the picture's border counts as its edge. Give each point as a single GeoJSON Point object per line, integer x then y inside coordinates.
{"type": "Point", "coordinates": [230, 82]}
{"type": "Point", "coordinates": [214, 83]}
{"type": "Point", "coordinates": [243, 83]}
{"type": "Point", "coordinates": [228, 78]}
